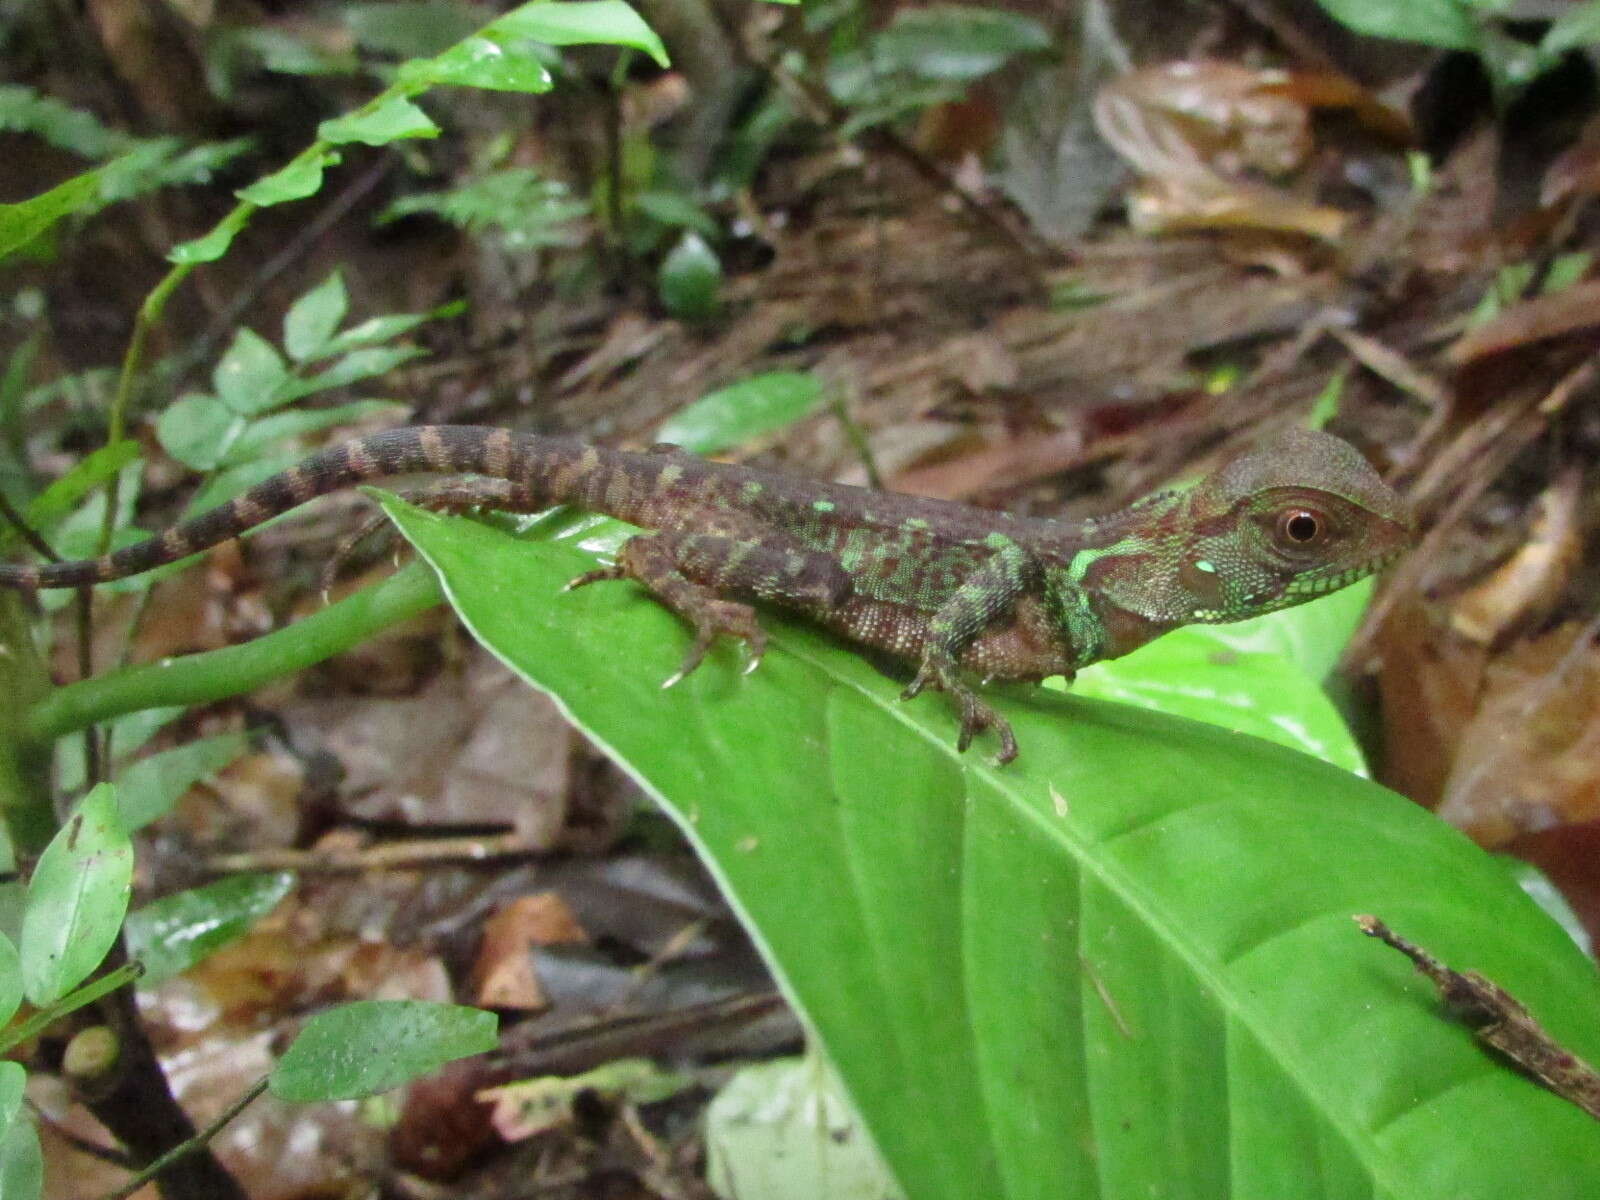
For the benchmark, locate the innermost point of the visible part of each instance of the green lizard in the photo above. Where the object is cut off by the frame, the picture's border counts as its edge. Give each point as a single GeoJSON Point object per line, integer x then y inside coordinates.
{"type": "Point", "coordinates": [958, 591]}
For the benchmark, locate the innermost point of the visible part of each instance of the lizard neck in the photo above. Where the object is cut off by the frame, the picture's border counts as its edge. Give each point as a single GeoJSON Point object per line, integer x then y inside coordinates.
{"type": "Point", "coordinates": [1114, 597]}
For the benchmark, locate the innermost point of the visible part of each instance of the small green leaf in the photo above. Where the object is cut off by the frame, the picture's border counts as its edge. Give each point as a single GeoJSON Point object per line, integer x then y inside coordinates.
{"type": "Point", "coordinates": [150, 787]}
{"type": "Point", "coordinates": [375, 330]}
{"type": "Point", "coordinates": [12, 1079]}
{"type": "Point", "coordinates": [172, 934]}
{"type": "Point", "coordinates": [76, 899]}
{"type": "Point", "coordinates": [1574, 29]}
{"type": "Point", "coordinates": [356, 366]}
{"type": "Point", "coordinates": [785, 1130]}
{"type": "Point", "coordinates": [299, 179]}
{"type": "Point", "coordinates": [124, 736]}
{"type": "Point", "coordinates": [581, 23]}
{"type": "Point", "coordinates": [294, 422]}
{"type": "Point", "coordinates": [1446, 23]}
{"type": "Point", "coordinates": [22, 222]}
{"type": "Point", "coordinates": [231, 481]}
{"type": "Point", "coordinates": [374, 1045]}
{"type": "Point", "coordinates": [955, 43]}
{"type": "Point", "coordinates": [251, 376]}
{"type": "Point", "coordinates": [689, 278]}
{"type": "Point", "coordinates": [10, 980]}
{"type": "Point", "coordinates": [211, 246]}
{"type": "Point", "coordinates": [391, 121]}
{"type": "Point", "coordinates": [21, 1162]}
{"type": "Point", "coordinates": [741, 411]}
{"type": "Point", "coordinates": [197, 430]}
{"type": "Point", "coordinates": [314, 318]}
{"type": "Point", "coordinates": [66, 493]}
{"type": "Point", "coordinates": [481, 63]}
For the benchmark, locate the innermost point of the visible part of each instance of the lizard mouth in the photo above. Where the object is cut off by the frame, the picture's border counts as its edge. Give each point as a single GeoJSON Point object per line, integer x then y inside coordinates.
{"type": "Point", "coordinates": [1324, 584]}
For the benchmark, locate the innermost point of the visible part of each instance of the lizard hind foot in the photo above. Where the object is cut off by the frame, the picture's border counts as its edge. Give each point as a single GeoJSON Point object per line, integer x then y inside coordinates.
{"type": "Point", "coordinates": [721, 618]}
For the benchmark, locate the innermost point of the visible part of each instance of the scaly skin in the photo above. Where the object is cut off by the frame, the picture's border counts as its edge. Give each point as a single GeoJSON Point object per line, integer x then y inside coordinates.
{"type": "Point", "coordinates": [956, 590]}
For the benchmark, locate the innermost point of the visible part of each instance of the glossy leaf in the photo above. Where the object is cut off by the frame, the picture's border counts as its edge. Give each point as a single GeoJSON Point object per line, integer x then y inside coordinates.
{"type": "Point", "coordinates": [392, 121]}
{"type": "Point", "coordinates": [479, 62]}
{"type": "Point", "coordinates": [76, 899]}
{"type": "Point", "coordinates": [170, 935]}
{"type": "Point", "coordinates": [581, 23]}
{"type": "Point", "coordinates": [690, 278]}
{"type": "Point", "coordinates": [732, 415]}
{"type": "Point", "coordinates": [149, 788]}
{"type": "Point", "coordinates": [374, 1045]}
{"type": "Point", "coordinates": [1446, 23]}
{"type": "Point", "coordinates": [1189, 673]}
{"type": "Point", "coordinates": [210, 246]}
{"type": "Point", "coordinates": [22, 222]}
{"type": "Point", "coordinates": [1124, 964]}
{"type": "Point", "coordinates": [314, 318]}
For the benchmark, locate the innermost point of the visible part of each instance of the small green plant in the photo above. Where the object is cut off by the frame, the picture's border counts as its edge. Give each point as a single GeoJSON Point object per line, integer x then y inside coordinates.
{"type": "Point", "coordinates": [75, 907]}
{"type": "Point", "coordinates": [262, 400]}
{"type": "Point", "coordinates": [1475, 26]}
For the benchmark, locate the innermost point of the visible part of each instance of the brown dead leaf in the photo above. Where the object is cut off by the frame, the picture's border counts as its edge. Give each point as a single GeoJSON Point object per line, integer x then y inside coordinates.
{"type": "Point", "coordinates": [503, 975]}
{"type": "Point", "coordinates": [1199, 134]}
{"type": "Point", "coordinates": [1528, 585]}
{"type": "Point", "coordinates": [1429, 685]}
{"type": "Point", "coordinates": [1540, 318]}
{"type": "Point", "coordinates": [1530, 757]}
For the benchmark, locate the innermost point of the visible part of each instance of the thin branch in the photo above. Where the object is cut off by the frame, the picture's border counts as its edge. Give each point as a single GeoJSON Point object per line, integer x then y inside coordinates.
{"type": "Point", "coordinates": [189, 1146]}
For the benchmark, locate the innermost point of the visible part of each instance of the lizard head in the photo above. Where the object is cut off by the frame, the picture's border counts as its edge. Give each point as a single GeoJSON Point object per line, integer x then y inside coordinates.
{"type": "Point", "coordinates": [1299, 516]}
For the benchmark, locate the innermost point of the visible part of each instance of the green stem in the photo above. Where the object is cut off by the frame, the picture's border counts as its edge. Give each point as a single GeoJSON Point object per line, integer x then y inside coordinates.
{"type": "Point", "coordinates": [189, 1146]}
{"type": "Point", "coordinates": [215, 674]}
{"type": "Point", "coordinates": [72, 1002]}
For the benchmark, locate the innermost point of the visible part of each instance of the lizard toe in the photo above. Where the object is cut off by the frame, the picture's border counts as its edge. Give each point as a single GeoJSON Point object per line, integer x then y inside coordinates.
{"type": "Point", "coordinates": [598, 575]}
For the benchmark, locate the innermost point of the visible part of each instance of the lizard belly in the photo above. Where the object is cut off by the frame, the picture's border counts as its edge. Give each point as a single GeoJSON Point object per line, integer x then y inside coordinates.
{"type": "Point", "coordinates": [1021, 646]}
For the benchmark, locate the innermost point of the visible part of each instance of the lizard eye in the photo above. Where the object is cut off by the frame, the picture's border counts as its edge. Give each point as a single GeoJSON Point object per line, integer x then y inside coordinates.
{"type": "Point", "coordinates": [1300, 528]}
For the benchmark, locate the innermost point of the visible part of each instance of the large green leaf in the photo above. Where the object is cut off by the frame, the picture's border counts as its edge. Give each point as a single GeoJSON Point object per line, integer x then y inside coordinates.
{"type": "Point", "coordinates": [1122, 966]}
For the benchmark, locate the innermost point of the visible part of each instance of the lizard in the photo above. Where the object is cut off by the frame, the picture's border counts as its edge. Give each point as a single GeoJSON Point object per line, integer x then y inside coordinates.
{"type": "Point", "coordinates": [958, 591]}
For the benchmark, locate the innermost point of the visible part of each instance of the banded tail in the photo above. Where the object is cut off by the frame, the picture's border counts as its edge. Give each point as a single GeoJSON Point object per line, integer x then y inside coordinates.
{"type": "Point", "coordinates": [552, 469]}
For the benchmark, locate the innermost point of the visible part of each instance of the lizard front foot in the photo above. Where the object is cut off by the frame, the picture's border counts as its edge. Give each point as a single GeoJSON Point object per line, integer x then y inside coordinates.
{"type": "Point", "coordinates": [976, 716]}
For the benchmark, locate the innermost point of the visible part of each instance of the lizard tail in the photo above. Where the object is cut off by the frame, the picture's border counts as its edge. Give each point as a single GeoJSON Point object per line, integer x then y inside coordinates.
{"type": "Point", "coordinates": [549, 465]}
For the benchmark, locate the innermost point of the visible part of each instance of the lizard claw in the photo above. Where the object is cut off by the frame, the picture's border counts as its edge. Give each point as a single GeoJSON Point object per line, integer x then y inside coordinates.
{"type": "Point", "coordinates": [976, 716]}
{"type": "Point", "coordinates": [716, 620]}
{"type": "Point", "coordinates": [598, 575]}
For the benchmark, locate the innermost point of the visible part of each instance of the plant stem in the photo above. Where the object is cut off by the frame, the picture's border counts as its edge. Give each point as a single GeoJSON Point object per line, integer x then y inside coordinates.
{"type": "Point", "coordinates": [215, 674]}
{"type": "Point", "coordinates": [87, 994]}
{"type": "Point", "coordinates": [189, 1146]}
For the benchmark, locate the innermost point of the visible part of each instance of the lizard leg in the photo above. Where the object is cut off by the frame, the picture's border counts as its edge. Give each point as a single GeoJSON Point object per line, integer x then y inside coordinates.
{"type": "Point", "coordinates": [690, 571]}
{"type": "Point", "coordinates": [984, 596]}
{"type": "Point", "coordinates": [448, 496]}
